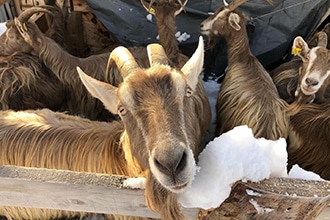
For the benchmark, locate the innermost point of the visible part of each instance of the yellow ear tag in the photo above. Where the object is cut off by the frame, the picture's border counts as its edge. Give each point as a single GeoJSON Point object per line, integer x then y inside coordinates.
{"type": "Point", "coordinates": [295, 51]}
{"type": "Point", "coordinates": [25, 27]}
{"type": "Point", "coordinates": [152, 11]}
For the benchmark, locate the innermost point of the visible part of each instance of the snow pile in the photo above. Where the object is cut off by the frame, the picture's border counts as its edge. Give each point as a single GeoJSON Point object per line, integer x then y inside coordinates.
{"type": "Point", "coordinates": [235, 155]}
{"type": "Point", "coordinates": [149, 17]}
{"type": "Point", "coordinates": [297, 172]}
{"type": "Point", "coordinates": [182, 37]}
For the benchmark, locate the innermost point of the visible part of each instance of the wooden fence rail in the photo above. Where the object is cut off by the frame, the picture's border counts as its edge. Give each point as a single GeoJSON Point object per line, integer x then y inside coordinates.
{"type": "Point", "coordinates": [274, 198]}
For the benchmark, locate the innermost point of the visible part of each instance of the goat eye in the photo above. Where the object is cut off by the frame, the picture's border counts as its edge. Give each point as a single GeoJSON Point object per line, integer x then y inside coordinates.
{"type": "Point", "coordinates": [122, 111]}
{"type": "Point", "coordinates": [189, 92]}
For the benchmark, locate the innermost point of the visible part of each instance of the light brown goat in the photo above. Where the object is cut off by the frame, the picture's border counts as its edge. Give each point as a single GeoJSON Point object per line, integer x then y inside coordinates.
{"type": "Point", "coordinates": [308, 141]}
{"type": "Point", "coordinates": [306, 78]}
{"type": "Point", "coordinates": [159, 133]}
{"type": "Point", "coordinates": [247, 95]}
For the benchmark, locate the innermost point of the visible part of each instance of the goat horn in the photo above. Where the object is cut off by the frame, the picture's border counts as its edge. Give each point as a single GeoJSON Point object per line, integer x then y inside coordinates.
{"type": "Point", "coordinates": [322, 39]}
{"type": "Point", "coordinates": [234, 4]}
{"type": "Point", "coordinates": [25, 15]}
{"type": "Point", "coordinates": [156, 54]}
{"type": "Point", "coordinates": [181, 8]}
{"type": "Point", "coordinates": [124, 61]}
{"type": "Point", "coordinates": [147, 5]}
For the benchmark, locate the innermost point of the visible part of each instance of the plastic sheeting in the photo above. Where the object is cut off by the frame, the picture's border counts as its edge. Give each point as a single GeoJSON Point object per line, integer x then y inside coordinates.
{"type": "Point", "coordinates": [275, 27]}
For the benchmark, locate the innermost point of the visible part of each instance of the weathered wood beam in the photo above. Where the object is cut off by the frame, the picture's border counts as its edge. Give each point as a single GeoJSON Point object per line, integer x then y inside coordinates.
{"type": "Point", "coordinates": [274, 198]}
{"type": "Point", "coordinates": [72, 191]}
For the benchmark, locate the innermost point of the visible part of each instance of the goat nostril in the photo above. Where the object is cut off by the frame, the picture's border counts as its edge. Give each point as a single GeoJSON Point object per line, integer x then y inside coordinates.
{"type": "Point", "coordinates": [172, 165]}
{"type": "Point", "coordinates": [182, 163]}
{"type": "Point", "coordinates": [311, 82]}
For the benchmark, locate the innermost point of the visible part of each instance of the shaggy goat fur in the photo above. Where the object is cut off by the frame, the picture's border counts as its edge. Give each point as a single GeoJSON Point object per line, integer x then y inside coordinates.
{"type": "Point", "coordinates": [27, 84]}
{"type": "Point", "coordinates": [247, 95]}
{"type": "Point", "coordinates": [308, 141]}
{"type": "Point", "coordinates": [46, 139]}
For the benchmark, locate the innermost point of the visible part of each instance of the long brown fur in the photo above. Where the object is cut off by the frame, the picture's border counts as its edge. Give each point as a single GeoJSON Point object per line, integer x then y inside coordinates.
{"type": "Point", "coordinates": [247, 95]}
{"type": "Point", "coordinates": [47, 139]}
{"type": "Point", "coordinates": [308, 144]}
{"type": "Point", "coordinates": [23, 77]}
{"type": "Point", "coordinates": [26, 83]}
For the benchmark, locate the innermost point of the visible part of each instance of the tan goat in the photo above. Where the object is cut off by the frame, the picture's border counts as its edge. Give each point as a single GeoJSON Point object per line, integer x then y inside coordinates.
{"type": "Point", "coordinates": [305, 78]}
{"type": "Point", "coordinates": [158, 137]}
{"type": "Point", "coordinates": [247, 95]}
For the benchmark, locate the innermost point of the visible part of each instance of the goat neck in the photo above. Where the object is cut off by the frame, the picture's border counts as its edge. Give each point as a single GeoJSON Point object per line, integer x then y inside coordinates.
{"type": "Point", "coordinates": [231, 26]}
{"type": "Point", "coordinates": [165, 13]}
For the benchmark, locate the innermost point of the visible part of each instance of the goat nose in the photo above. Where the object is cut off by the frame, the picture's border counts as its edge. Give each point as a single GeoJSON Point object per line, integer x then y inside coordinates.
{"type": "Point", "coordinates": [171, 164]}
{"type": "Point", "coordinates": [311, 82]}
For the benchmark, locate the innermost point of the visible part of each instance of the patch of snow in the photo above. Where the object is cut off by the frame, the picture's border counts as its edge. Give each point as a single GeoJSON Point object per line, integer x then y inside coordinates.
{"type": "Point", "coordinates": [135, 183]}
{"type": "Point", "coordinates": [252, 193]}
{"type": "Point", "coordinates": [235, 155]}
{"type": "Point", "coordinates": [149, 17]}
{"type": "Point", "coordinates": [260, 209]}
{"type": "Point", "coordinates": [297, 172]}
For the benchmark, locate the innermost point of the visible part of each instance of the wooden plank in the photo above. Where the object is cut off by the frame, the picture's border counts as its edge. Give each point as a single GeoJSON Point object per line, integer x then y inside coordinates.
{"type": "Point", "coordinates": [325, 214]}
{"type": "Point", "coordinates": [72, 191]}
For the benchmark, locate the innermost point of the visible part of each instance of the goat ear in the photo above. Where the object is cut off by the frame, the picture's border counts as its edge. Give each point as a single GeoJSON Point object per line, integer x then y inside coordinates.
{"type": "Point", "coordinates": [300, 48]}
{"type": "Point", "coordinates": [105, 92]}
{"type": "Point", "coordinates": [234, 20]}
{"type": "Point", "coordinates": [194, 65]}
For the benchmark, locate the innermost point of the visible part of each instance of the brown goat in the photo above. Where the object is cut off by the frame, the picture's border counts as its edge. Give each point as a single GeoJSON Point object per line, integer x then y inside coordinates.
{"type": "Point", "coordinates": [158, 137]}
{"type": "Point", "coordinates": [165, 13]}
{"type": "Point", "coordinates": [306, 78]}
{"type": "Point", "coordinates": [308, 141]}
{"type": "Point", "coordinates": [26, 82]}
{"type": "Point", "coordinates": [247, 95]}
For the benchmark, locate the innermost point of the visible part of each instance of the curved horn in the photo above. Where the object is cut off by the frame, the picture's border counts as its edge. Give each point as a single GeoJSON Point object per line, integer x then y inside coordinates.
{"type": "Point", "coordinates": [156, 54]}
{"type": "Point", "coordinates": [25, 15]}
{"type": "Point", "coordinates": [147, 5]}
{"type": "Point", "coordinates": [234, 4]}
{"type": "Point", "coordinates": [124, 61]}
{"type": "Point", "coordinates": [181, 8]}
{"type": "Point", "coordinates": [322, 39]}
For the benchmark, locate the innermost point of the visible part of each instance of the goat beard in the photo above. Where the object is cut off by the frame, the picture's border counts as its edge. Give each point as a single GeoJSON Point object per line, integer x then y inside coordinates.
{"type": "Point", "coordinates": [161, 200]}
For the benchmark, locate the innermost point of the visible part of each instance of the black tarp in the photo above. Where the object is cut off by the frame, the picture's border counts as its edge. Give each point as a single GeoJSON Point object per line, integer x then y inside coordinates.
{"type": "Point", "coordinates": [275, 27]}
